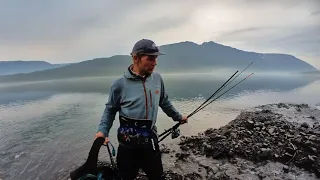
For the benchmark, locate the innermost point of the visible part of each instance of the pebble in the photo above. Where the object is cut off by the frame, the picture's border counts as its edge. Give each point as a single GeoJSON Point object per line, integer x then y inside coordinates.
{"type": "Point", "coordinates": [305, 125]}
{"type": "Point", "coordinates": [286, 169]}
{"type": "Point", "coordinates": [312, 158]}
{"type": "Point", "coordinates": [312, 137]}
{"type": "Point", "coordinates": [271, 130]}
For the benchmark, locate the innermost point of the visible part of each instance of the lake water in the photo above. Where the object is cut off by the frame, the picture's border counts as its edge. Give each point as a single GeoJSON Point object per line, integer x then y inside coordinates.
{"type": "Point", "coordinates": [47, 128]}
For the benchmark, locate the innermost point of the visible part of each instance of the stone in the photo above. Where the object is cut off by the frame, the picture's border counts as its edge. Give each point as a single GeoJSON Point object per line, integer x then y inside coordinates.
{"type": "Point", "coordinates": [250, 124]}
{"type": "Point", "coordinates": [285, 169]}
{"type": "Point", "coordinates": [313, 149]}
{"type": "Point", "coordinates": [266, 111]}
{"type": "Point", "coordinates": [266, 152]}
{"type": "Point", "coordinates": [312, 137]}
{"type": "Point", "coordinates": [312, 158]}
{"type": "Point", "coordinates": [308, 143]}
{"type": "Point", "coordinates": [305, 125]}
{"type": "Point", "coordinates": [298, 140]}
{"type": "Point", "coordinates": [271, 130]}
{"type": "Point", "coordinates": [184, 148]}
{"type": "Point", "coordinates": [312, 117]}
{"type": "Point", "coordinates": [303, 134]}
{"type": "Point", "coordinates": [267, 123]}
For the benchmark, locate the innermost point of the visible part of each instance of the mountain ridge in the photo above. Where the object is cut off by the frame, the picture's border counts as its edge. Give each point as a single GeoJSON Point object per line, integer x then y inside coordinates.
{"type": "Point", "coordinates": [185, 56]}
{"type": "Point", "coordinates": [21, 66]}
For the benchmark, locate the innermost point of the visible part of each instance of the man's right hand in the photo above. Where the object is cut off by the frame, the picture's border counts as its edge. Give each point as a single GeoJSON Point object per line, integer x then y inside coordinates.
{"type": "Point", "coordinates": [100, 134]}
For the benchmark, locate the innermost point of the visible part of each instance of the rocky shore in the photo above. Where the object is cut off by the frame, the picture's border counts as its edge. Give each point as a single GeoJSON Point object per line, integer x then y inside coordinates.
{"type": "Point", "coordinates": [274, 141]}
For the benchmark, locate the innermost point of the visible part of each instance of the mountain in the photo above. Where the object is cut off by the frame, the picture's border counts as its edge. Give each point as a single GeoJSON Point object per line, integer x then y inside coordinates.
{"type": "Point", "coordinates": [180, 57]}
{"type": "Point", "coordinates": [312, 74]}
{"type": "Point", "coordinates": [15, 67]}
{"type": "Point", "coordinates": [211, 54]}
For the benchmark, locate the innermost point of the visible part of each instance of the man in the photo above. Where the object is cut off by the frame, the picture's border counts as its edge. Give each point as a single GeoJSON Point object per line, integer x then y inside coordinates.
{"type": "Point", "coordinates": [136, 96]}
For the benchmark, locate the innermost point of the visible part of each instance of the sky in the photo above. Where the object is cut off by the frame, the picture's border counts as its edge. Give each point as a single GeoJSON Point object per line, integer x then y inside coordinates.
{"type": "Point", "coordinates": [62, 31]}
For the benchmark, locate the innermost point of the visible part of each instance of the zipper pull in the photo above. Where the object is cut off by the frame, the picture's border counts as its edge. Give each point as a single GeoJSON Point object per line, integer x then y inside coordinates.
{"type": "Point", "coordinates": [154, 148]}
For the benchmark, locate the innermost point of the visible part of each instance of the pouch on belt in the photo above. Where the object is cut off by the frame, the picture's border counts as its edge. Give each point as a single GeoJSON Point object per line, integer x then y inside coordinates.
{"type": "Point", "coordinates": [135, 133]}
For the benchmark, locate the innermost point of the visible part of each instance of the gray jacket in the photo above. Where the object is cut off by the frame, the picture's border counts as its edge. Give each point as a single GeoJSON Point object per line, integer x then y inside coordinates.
{"type": "Point", "coordinates": [137, 98]}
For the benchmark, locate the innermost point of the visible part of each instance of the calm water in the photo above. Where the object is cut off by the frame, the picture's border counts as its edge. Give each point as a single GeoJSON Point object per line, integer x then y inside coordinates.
{"type": "Point", "coordinates": [47, 128]}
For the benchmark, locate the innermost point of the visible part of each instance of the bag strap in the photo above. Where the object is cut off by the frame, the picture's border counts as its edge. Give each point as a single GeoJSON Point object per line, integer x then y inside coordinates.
{"type": "Point", "coordinates": [113, 164]}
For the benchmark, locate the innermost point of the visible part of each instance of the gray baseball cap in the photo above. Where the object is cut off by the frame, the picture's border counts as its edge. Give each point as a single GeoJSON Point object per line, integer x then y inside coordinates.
{"type": "Point", "coordinates": [147, 47]}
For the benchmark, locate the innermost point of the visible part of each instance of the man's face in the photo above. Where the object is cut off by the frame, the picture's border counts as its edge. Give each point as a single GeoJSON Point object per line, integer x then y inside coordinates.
{"type": "Point", "coordinates": [147, 63]}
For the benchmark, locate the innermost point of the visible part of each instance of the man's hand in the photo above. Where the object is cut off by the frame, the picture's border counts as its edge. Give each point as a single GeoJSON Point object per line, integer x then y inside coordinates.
{"type": "Point", "coordinates": [184, 119]}
{"type": "Point", "coordinates": [100, 134]}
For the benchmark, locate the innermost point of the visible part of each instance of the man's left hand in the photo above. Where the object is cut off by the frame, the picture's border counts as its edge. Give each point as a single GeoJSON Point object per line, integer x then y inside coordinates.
{"type": "Point", "coordinates": [184, 120]}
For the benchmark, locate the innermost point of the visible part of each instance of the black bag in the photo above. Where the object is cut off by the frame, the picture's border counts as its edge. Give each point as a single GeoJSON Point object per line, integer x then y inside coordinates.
{"type": "Point", "coordinates": [90, 169]}
{"type": "Point", "coordinates": [134, 133]}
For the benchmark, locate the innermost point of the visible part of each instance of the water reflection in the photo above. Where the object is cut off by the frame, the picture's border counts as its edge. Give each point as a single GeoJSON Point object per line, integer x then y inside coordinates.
{"type": "Point", "coordinates": [182, 86]}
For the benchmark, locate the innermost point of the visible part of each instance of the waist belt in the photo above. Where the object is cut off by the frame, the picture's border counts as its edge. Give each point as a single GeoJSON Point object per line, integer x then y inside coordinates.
{"type": "Point", "coordinates": [136, 133]}
{"type": "Point", "coordinates": [136, 123]}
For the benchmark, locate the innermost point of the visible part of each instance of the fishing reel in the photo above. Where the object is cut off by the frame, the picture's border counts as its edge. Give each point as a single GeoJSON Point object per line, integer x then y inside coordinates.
{"type": "Point", "coordinates": [175, 133]}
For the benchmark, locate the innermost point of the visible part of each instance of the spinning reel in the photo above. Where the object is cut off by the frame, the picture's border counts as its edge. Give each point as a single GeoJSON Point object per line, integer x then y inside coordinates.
{"type": "Point", "coordinates": [175, 133]}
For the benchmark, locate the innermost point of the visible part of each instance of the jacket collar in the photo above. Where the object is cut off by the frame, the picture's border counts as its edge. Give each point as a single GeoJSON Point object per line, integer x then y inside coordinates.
{"type": "Point", "coordinates": [132, 75]}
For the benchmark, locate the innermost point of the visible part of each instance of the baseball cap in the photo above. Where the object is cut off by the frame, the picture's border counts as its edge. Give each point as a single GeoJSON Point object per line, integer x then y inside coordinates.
{"type": "Point", "coordinates": [147, 47]}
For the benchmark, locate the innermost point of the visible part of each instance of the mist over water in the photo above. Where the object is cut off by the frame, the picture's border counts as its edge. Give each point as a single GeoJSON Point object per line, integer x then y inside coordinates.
{"type": "Point", "coordinates": [47, 128]}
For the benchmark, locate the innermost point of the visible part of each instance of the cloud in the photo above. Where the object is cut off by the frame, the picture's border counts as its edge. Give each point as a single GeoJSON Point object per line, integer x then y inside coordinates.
{"type": "Point", "coordinates": [307, 41]}
{"type": "Point", "coordinates": [76, 30]}
{"type": "Point", "coordinates": [38, 20]}
{"type": "Point", "coordinates": [315, 13]}
{"type": "Point", "coordinates": [244, 30]}
{"type": "Point", "coordinates": [162, 24]}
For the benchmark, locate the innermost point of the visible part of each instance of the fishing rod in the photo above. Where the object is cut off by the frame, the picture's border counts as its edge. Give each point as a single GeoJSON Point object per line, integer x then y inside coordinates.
{"type": "Point", "coordinates": [174, 129]}
{"type": "Point", "coordinates": [199, 106]}
{"type": "Point", "coordinates": [225, 92]}
{"type": "Point", "coordinates": [223, 86]}
{"type": "Point", "coordinates": [226, 84]}
{"type": "Point", "coordinates": [218, 90]}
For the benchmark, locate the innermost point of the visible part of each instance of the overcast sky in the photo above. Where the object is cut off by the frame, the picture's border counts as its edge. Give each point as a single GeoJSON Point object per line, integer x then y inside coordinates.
{"type": "Point", "coordinates": [60, 31]}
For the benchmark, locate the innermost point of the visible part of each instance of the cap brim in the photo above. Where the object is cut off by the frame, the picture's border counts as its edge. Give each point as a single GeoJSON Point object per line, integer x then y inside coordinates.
{"type": "Point", "coordinates": [154, 54]}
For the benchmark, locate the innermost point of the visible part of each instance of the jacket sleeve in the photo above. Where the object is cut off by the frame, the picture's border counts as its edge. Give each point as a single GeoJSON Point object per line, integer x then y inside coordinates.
{"type": "Point", "coordinates": [166, 105]}
{"type": "Point", "coordinates": [111, 109]}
